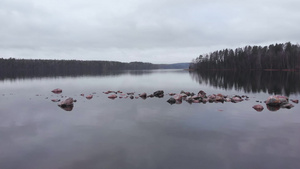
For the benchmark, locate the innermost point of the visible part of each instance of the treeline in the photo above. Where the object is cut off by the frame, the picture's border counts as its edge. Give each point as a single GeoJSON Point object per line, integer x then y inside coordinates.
{"type": "Point", "coordinates": [38, 68]}
{"type": "Point", "coordinates": [278, 56]}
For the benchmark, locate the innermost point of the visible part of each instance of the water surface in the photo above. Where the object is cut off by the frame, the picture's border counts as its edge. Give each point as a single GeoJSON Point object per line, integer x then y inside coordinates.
{"type": "Point", "coordinates": [102, 133]}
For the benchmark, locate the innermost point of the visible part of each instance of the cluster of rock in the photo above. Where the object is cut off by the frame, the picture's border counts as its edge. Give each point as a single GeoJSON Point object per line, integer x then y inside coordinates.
{"type": "Point", "coordinates": [204, 98]}
{"type": "Point", "coordinates": [276, 102]}
{"type": "Point", "coordinates": [131, 95]}
{"type": "Point", "coordinates": [273, 103]}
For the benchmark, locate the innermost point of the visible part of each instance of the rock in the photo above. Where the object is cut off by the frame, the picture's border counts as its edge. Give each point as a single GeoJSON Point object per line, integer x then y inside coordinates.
{"type": "Point", "coordinates": [159, 93]}
{"type": "Point", "coordinates": [113, 96]}
{"type": "Point", "coordinates": [196, 101]}
{"type": "Point", "coordinates": [131, 97]}
{"type": "Point", "coordinates": [236, 99]}
{"type": "Point", "coordinates": [151, 95]}
{"type": "Point", "coordinates": [295, 101]}
{"type": "Point", "coordinates": [196, 98]}
{"type": "Point", "coordinates": [143, 95]}
{"type": "Point", "coordinates": [172, 100]}
{"type": "Point", "coordinates": [189, 100]}
{"type": "Point", "coordinates": [67, 104]}
{"type": "Point", "coordinates": [132, 93]}
{"type": "Point", "coordinates": [89, 96]}
{"type": "Point", "coordinates": [109, 91]}
{"type": "Point", "coordinates": [258, 107]}
{"type": "Point", "coordinates": [55, 100]}
{"type": "Point", "coordinates": [211, 98]}
{"type": "Point", "coordinates": [227, 99]}
{"type": "Point", "coordinates": [202, 94]}
{"type": "Point", "coordinates": [276, 100]}
{"type": "Point", "coordinates": [178, 97]}
{"type": "Point", "coordinates": [220, 98]}
{"type": "Point", "coordinates": [57, 91]}
{"type": "Point", "coordinates": [287, 106]}
{"type": "Point", "coordinates": [81, 94]}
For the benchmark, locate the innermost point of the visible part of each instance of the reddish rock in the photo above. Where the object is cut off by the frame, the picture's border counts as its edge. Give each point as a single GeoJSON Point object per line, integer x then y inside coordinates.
{"type": "Point", "coordinates": [236, 99]}
{"type": "Point", "coordinates": [277, 100]}
{"type": "Point", "coordinates": [57, 91]}
{"type": "Point", "coordinates": [295, 101]}
{"type": "Point", "coordinates": [258, 107]}
{"type": "Point", "coordinates": [196, 101]}
{"type": "Point", "coordinates": [109, 91]}
{"type": "Point", "coordinates": [89, 96]}
{"type": "Point", "coordinates": [178, 97]}
{"type": "Point", "coordinates": [220, 98]}
{"type": "Point", "coordinates": [55, 100]}
{"type": "Point", "coordinates": [113, 96]}
{"type": "Point", "coordinates": [67, 104]}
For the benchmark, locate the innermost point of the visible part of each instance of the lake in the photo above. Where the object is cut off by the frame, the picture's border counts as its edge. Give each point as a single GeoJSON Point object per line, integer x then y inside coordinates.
{"type": "Point", "coordinates": [148, 134]}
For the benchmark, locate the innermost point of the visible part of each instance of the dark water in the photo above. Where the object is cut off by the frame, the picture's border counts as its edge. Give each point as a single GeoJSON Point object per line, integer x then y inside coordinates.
{"type": "Point", "coordinates": [139, 134]}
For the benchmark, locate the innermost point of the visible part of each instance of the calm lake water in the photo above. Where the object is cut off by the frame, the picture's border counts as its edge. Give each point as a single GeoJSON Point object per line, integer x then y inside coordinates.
{"type": "Point", "coordinates": [148, 134]}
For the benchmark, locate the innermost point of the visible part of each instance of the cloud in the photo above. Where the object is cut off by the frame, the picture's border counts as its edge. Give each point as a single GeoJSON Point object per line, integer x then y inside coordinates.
{"type": "Point", "coordinates": [169, 31]}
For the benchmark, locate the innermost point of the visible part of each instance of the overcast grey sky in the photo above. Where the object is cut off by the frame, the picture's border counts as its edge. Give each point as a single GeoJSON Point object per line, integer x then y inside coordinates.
{"type": "Point", "coordinates": [157, 31]}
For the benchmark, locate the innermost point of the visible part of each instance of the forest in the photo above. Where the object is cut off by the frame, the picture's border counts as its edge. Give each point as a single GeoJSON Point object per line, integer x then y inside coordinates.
{"type": "Point", "coordinates": [284, 56]}
{"type": "Point", "coordinates": [18, 68]}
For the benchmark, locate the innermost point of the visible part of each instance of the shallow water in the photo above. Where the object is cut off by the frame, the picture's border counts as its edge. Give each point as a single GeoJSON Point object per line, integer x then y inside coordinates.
{"type": "Point", "coordinates": [102, 133]}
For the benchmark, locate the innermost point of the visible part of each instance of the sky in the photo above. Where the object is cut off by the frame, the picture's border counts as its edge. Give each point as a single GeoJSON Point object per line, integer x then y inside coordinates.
{"type": "Point", "coordinates": [156, 31]}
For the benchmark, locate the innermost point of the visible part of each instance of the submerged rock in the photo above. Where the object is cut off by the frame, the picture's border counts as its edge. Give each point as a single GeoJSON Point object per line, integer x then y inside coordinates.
{"type": "Point", "coordinates": [57, 91]}
{"type": "Point", "coordinates": [109, 91]}
{"type": "Point", "coordinates": [89, 96]}
{"type": "Point", "coordinates": [113, 96]}
{"type": "Point", "coordinates": [258, 107]}
{"type": "Point", "coordinates": [55, 100]}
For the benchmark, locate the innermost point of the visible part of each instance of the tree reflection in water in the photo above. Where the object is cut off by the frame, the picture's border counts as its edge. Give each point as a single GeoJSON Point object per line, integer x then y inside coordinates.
{"type": "Point", "coordinates": [272, 82]}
